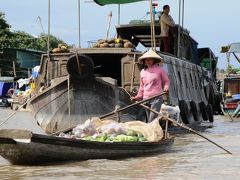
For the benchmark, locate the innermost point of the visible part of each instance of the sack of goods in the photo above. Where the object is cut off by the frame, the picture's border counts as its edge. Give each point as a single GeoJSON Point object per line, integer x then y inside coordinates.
{"type": "Point", "coordinates": [111, 131]}
{"type": "Point", "coordinates": [170, 111]}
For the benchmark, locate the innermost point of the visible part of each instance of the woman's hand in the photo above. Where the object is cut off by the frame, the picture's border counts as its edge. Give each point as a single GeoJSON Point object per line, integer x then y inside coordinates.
{"type": "Point", "coordinates": [135, 98]}
{"type": "Point", "coordinates": [166, 89]}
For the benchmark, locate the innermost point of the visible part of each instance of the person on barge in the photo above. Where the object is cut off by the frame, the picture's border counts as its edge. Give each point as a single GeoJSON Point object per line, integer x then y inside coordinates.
{"type": "Point", "coordinates": [166, 23]}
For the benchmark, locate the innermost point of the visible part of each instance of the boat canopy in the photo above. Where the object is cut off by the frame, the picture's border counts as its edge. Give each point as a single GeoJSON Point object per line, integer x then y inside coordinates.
{"type": "Point", "coordinates": [105, 2]}
{"type": "Point", "coordinates": [234, 48]}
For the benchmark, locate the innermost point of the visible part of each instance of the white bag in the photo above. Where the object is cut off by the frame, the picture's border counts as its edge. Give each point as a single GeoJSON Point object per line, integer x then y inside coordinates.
{"type": "Point", "coordinates": [172, 112]}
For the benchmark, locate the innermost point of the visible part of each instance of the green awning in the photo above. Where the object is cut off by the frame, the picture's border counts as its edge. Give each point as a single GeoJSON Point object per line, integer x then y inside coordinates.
{"type": "Point", "coordinates": [105, 2]}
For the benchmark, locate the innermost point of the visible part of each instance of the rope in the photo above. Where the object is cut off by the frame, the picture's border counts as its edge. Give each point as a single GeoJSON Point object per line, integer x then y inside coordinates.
{"type": "Point", "coordinates": [11, 115]}
{"type": "Point", "coordinates": [78, 64]}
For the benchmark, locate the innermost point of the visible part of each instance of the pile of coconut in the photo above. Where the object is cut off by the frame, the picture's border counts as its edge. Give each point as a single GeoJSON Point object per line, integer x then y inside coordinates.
{"type": "Point", "coordinates": [62, 48]}
{"type": "Point", "coordinates": [113, 43]}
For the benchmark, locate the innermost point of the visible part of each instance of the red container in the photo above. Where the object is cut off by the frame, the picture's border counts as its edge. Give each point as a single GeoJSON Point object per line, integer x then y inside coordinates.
{"type": "Point", "coordinates": [231, 105]}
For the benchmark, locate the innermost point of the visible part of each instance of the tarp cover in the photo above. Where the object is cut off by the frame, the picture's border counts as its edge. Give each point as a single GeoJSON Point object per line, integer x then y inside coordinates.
{"type": "Point", "coordinates": [151, 131]}
{"type": "Point", "coordinates": [105, 2]}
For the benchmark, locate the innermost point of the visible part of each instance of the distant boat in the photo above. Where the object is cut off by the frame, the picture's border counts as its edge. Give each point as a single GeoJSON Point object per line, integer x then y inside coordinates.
{"type": "Point", "coordinates": [6, 83]}
{"type": "Point", "coordinates": [231, 84]}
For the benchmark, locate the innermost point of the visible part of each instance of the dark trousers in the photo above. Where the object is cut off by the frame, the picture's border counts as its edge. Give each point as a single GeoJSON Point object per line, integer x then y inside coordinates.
{"type": "Point", "coordinates": [165, 44]}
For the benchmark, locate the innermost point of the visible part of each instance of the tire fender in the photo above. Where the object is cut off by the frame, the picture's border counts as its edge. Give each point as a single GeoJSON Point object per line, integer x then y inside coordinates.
{"type": "Point", "coordinates": [210, 113]}
{"type": "Point", "coordinates": [203, 110]}
{"type": "Point", "coordinates": [80, 67]}
{"type": "Point", "coordinates": [194, 110]}
{"type": "Point", "coordinates": [183, 111]}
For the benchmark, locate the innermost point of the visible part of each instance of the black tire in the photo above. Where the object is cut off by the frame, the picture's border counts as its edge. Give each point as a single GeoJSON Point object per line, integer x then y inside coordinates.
{"type": "Point", "coordinates": [5, 102]}
{"type": "Point", "coordinates": [217, 106]}
{"type": "Point", "coordinates": [211, 98]}
{"type": "Point", "coordinates": [203, 110]}
{"type": "Point", "coordinates": [85, 71]}
{"type": "Point", "coordinates": [194, 110]}
{"type": "Point", "coordinates": [183, 111]}
{"type": "Point", "coordinates": [210, 113]}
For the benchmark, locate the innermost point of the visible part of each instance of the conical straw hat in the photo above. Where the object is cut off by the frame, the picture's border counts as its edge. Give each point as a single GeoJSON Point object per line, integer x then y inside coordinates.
{"type": "Point", "coordinates": [150, 54]}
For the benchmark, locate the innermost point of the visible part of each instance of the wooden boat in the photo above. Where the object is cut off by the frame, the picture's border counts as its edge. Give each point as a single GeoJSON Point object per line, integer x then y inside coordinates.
{"type": "Point", "coordinates": [26, 148]}
{"type": "Point", "coordinates": [231, 95]}
{"type": "Point", "coordinates": [183, 66]}
{"type": "Point", "coordinates": [230, 84]}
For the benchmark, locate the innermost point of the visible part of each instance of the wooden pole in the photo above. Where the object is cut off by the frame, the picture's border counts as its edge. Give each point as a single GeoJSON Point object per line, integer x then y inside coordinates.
{"type": "Point", "coordinates": [29, 73]}
{"type": "Point", "coordinates": [151, 24]}
{"type": "Point", "coordinates": [14, 69]}
{"type": "Point", "coordinates": [49, 24]}
{"type": "Point", "coordinates": [69, 102]}
{"type": "Point", "coordinates": [119, 14]}
{"type": "Point", "coordinates": [184, 127]}
{"type": "Point", "coordinates": [132, 105]}
{"type": "Point", "coordinates": [79, 25]}
{"type": "Point", "coordinates": [109, 24]}
{"type": "Point", "coordinates": [133, 72]}
{"type": "Point", "coordinates": [179, 30]}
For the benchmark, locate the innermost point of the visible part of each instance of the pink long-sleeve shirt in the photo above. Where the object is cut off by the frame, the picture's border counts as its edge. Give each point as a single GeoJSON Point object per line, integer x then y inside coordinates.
{"type": "Point", "coordinates": [153, 81]}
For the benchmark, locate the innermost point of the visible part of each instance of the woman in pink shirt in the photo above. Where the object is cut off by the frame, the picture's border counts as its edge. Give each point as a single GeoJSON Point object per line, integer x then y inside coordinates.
{"type": "Point", "coordinates": [153, 80]}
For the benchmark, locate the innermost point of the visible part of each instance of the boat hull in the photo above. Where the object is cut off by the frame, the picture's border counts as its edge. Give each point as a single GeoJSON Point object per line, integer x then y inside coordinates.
{"type": "Point", "coordinates": [53, 112]}
{"type": "Point", "coordinates": [42, 149]}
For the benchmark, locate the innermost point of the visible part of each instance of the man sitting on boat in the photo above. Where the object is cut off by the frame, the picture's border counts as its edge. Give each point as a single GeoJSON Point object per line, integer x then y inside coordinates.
{"type": "Point", "coordinates": [153, 80]}
{"type": "Point", "coordinates": [166, 22]}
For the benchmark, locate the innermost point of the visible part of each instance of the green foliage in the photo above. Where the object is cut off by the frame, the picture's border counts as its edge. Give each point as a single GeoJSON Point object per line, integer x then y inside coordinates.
{"type": "Point", "coordinates": [23, 40]}
{"type": "Point", "coordinates": [232, 70]}
{"type": "Point", "coordinates": [41, 42]}
{"type": "Point", "coordinates": [5, 33]}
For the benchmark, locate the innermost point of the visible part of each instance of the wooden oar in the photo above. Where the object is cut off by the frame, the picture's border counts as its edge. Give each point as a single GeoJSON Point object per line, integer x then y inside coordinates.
{"type": "Point", "coordinates": [113, 112]}
{"type": "Point", "coordinates": [11, 115]}
{"type": "Point", "coordinates": [132, 105]}
{"type": "Point", "coordinates": [183, 126]}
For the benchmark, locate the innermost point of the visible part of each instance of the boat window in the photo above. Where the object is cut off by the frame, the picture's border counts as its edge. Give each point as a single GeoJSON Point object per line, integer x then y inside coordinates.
{"type": "Point", "coordinates": [179, 77]}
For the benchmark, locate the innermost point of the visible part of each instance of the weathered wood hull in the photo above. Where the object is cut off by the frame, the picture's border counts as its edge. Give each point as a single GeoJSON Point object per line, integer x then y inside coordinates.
{"type": "Point", "coordinates": [42, 149]}
{"type": "Point", "coordinates": [54, 111]}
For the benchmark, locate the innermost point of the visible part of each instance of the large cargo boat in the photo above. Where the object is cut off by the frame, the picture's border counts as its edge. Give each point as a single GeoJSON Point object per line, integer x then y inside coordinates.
{"type": "Point", "coordinates": [72, 96]}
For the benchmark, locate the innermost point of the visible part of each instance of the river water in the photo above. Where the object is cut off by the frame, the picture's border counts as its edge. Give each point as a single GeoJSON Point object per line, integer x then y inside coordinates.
{"type": "Point", "coordinates": [191, 158]}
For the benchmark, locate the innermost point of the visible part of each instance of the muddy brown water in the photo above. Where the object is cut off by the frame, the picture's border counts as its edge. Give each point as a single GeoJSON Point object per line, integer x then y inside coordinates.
{"type": "Point", "coordinates": [191, 158]}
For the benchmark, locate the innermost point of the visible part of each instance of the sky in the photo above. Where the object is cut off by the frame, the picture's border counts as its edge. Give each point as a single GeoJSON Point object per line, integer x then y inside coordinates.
{"type": "Point", "coordinates": [212, 23]}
